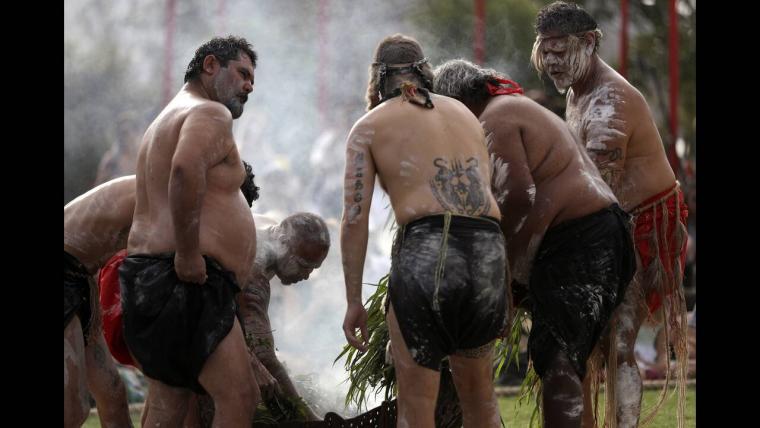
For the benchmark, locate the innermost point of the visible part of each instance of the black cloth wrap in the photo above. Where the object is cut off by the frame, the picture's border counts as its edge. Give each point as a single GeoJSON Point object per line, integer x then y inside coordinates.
{"type": "Point", "coordinates": [76, 293]}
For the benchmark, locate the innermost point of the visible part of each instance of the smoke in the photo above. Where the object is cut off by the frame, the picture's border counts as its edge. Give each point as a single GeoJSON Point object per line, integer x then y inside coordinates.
{"type": "Point", "coordinates": [309, 90]}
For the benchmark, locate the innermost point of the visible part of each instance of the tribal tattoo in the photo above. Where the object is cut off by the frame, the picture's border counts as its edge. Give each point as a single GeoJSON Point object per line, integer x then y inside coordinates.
{"type": "Point", "coordinates": [355, 210]}
{"type": "Point", "coordinates": [459, 188]}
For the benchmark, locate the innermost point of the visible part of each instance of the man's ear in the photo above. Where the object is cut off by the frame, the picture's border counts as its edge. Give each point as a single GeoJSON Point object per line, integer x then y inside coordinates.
{"type": "Point", "coordinates": [590, 38]}
{"type": "Point", "coordinates": [211, 64]}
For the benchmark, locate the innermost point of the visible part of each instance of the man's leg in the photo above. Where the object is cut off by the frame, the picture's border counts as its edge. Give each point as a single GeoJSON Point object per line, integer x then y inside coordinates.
{"type": "Point", "coordinates": [105, 384]}
{"type": "Point", "coordinates": [228, 378]}
{"type": "Point", "coordinates": [417, 385]}
{"type": "Point", "coordinates": [627, 320]}
{"type": "Point", "coordinates": [473, 377]}
{"type": "Point", "coordinates": [76, 405]}
{"type": "Point", "coordinates": [562, 394]}
{"type": "Point", "coordinates": [168, 405]}
{"type": "Point", "coordinates": [193, 417]}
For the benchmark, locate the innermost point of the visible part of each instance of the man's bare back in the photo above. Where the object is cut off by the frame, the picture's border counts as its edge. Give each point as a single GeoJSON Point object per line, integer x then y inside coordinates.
{"type": "Point", "coordinates": [545, 176]}
{"type": "Point", "coordinates": [190, 129]}
{"type": "Point", "coordinates": [428, 160]}
{"type": "Point", "coordinates": [96, 224]}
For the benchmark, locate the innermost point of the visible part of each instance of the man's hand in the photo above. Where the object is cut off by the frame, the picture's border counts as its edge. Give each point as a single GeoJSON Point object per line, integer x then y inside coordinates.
{"type": "Point", "coordinates": [190, 268]}
{"type": "Point", "coordinates": [267, 383]}
{"type": "Point", "coordinates": [356, 317]}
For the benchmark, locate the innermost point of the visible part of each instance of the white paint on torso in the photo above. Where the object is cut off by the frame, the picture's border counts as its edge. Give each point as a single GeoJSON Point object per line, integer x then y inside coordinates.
{"type": "Point", "coordinates": [531, 193]}
{"type": "Point", "coordinates": [596, 184]}
{"type": "Point", "coordinates": [499, 174]}
{"type": "Point", "coordinates": [524, 262]}
{"type": "Point", "coordinates": [595, 118]}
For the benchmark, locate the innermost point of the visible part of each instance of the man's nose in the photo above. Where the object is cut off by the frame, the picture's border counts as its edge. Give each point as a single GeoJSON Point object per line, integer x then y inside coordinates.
{"type": "Point", "coordinates": [248, 87]}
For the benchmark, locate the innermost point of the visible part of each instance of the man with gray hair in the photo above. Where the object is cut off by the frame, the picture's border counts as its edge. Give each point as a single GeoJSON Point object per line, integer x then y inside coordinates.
{"type": "Point", "coordinates": [614, 123]}
{"type": "Point", "coordinates": [290, 250]}
{"type": "Point", "coordinates": [567, 239]}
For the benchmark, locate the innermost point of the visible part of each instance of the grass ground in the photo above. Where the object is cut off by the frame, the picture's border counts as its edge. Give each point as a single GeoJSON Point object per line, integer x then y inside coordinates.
{"type": "Point", "coordinates": [519, 417]}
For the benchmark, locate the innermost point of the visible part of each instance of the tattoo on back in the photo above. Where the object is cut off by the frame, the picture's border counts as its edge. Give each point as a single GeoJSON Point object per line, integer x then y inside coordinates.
{"type": "Point", "coordinates": [613, 155]}
{"type": "Point", "coordinates": [458, 188]}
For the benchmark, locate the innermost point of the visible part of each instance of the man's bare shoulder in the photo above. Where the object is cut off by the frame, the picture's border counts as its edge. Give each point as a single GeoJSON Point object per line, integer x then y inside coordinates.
{"type": "Point", "coordinates": [615, 87]}
{"type": "Point", "coordinates": [368, 121]}
{"type": "Point", "coordinates": [118, 187]}
{"type": "Point", "coordinates": [516, 110]}
{"type": "Point", "coordinates": [203, 109]}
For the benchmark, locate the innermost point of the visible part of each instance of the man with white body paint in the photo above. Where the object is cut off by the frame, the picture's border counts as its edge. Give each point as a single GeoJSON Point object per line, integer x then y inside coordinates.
{"type": "Point", "coordinates": [447, 290]}
{"type": "Point", "coordinates": [95, 226]}
{"type": "Point", "coordinates": [193, 240]}
{"type": "Point", "coordinates": [614, 123]}
{"type": "Point", "coordinates": [291, 250]}
{"type": "Point", "coordinates": [567, 239]}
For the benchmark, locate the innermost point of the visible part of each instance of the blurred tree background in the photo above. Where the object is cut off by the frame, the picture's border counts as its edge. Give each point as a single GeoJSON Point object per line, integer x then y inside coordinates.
{"type": "Point", "coordinates": [114, 62]}
{"type": "Point", "coordinates": [509, 36]}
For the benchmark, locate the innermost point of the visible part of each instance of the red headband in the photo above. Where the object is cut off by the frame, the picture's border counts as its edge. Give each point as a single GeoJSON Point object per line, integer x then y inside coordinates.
{"type": "Point", "coordinates": [505, 87]}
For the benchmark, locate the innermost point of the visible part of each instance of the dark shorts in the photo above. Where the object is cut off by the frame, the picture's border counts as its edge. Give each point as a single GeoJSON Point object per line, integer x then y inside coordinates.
{"type": "Point", "coordinates": [579, 276]}
{"type": "Point", "coordinates": [469, 309]}
{"type": "Point", "coordinates": [76, 293]}
{"type": "Point", "coordinates": [170, 326]}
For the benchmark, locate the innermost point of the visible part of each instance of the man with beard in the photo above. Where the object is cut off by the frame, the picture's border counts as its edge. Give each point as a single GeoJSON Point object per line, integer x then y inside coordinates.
{"type": "Point", "coordinates": [447, 291]}
{"type": "Point", "coordinates": [567, 239]}
{"type": "Point", "coordinates": [193, 240]}
{"type": "Point", "coordinates": [614, 123]}
{"type": "Point", "coordinates": [290, 250]}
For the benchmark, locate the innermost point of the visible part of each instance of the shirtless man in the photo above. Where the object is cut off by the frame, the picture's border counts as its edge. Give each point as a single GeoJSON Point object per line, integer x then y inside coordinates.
{"type": "Point", "coordinates": [193, 240]}
{"type": "Point", "coordinates": [291, 250]}
{"type": "Point", "coordinates": [567, 238]}
{"type": "Point", "coordinates": [95, 226]}
{"type": "Point", "coordinates": [447, 289]}
{"type": "Point", "coordinates": [614, 123]}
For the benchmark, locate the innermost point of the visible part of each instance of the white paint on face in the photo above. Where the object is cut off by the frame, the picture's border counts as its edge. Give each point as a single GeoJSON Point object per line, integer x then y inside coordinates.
{"type": "Point", "coordinates": [566, 60]}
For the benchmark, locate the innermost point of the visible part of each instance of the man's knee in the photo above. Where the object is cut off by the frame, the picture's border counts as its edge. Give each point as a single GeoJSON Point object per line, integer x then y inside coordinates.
{"type": "Point", "coordinates": [244, 393]}
{"type": "Point", "coordinates": [75, 416]}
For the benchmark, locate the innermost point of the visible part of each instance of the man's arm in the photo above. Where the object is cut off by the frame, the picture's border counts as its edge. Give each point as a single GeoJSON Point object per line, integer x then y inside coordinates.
{"type": "Point", "coordinates": [205, 139]}
{"type": "Point", "coordinates": [359, 185]}
{"type": "Point", "coordinates": [512, 183]}
{"type": "Point", "coordinates": [254, 306]}
{"type": "Point", "coordinates": [254, 303]}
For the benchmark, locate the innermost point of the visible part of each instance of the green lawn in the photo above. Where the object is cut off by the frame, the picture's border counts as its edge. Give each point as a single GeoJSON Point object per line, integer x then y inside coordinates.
{"type": "Point", "coordinates": [93, 421]}
{"type": "Point", "coordinates": [520, 417]}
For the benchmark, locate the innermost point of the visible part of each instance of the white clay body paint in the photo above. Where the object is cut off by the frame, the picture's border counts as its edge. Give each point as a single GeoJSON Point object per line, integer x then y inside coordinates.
{"type": "Point", "coordinates": [531, 190]}
{"type": "Point", "coordinates": [629, 395]}
{"type": "Point", "coordinates": [600, 120]}
{"type": "Point", "coordinates": [499, 174]}
{"type": "Point", "coordinates": [525, 261]}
